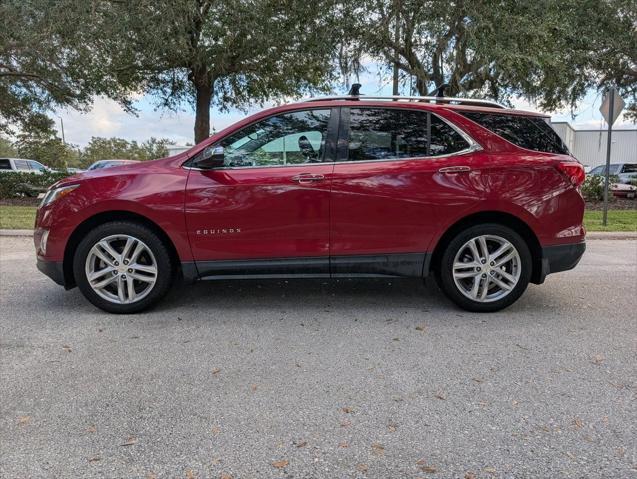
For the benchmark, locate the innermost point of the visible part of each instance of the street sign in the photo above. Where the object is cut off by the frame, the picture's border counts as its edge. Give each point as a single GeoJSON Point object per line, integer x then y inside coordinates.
{"type": "Point", "coordinates": [612, 106]}
{"type": "Point", "coordinates": [607, 111]}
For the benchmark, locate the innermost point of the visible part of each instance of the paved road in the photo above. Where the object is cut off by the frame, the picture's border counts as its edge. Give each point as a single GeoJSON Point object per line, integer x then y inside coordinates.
{"type": "Point", "coordinates": [361, 379]}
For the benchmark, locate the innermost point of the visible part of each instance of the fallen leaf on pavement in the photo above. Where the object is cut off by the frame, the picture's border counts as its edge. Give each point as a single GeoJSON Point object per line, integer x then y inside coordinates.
{"type": "Point", "coordinates": [429, 469]}
{"type": "Point", "coordinates": [347, 410]}
{"type": "Point", "coordinates": [346, 423]}
{"type": "Point", "coordinates": [469, 475]}
{"type": "Point", "coordinates": [253, 387]}
{"type": "Point", "coordinates": [225, 476]}
{"type": "Point", "coordinates": [216, 429]}
{"type": "Point", "coordinates": [300, 444]}
{"type": "Point", "coordinates": [362, 467]}
{"type": "Point", "coordinates": [598, 359]}
{"type": "Point", "coordinates": [95, 459]}
{"type": "Point", "coordinates": [130, 441]}
{"type": "Point", "coordinates": [420, 328]}
{"type": "Point", "coordinates": [92, 429]}
{"type": "Point", "coordinates": [190, 474]}
{"type": "Point", "coordinates": [378, 449]}
{"type": "Point", "coordinates": [280, 464]}
{"type": "Point", "coordinates": [477, 380]}
{"type": "Point", "coordinates": [578, 423]}
{"type": "Point", "coordinates": [24, 420]}
{"type": "Point", "coordinates": [392, 427]}
{"type": "Point", "coordinates": [441, 395]}
{"type": "Point", "coordinates": [66, 348]}
{"type": "Point", "coordinates": [490, 470]}
{"type": "Point", "coordinates": [344, 445]}
{"type": "Point", "coordinates": [216, 371]}
{"type": "Point", "coordinates": [151, 475]}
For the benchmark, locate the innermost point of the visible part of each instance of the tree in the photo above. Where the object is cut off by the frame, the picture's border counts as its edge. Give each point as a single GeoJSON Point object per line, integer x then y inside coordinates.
{"type": "Point", "coordinates": [229, 54]}
{"type": "Point", "coordinates": [6, 148]}
{"type": "Point", "coordinates": [49, 58]}
{"type": "Point", "coordinates": [118, 148]}
{"type": "Point", "coordinates": [546, 50]}
{"type": "Point", "coordinates": [43, 145]}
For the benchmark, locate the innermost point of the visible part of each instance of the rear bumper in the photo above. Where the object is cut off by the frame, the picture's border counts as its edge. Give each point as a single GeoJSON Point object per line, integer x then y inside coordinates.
{"type": "Point", "coordinates": [560, 258]}
{"type": "Point", "coordinates": [53, 269]}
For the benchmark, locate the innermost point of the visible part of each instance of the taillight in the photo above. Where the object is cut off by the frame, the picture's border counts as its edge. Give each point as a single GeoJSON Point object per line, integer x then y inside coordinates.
{"type": "Point", "coordinates": [573, 171]}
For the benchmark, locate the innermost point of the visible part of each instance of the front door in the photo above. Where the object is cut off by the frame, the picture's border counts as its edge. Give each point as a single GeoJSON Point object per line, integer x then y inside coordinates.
{"type": "Point", "coordinates": [266, 210]}
{"type": "Point", "coordinates": [387, 188]}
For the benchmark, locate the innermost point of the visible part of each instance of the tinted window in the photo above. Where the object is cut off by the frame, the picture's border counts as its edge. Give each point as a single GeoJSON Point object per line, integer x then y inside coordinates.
{"type": "Point", "coordinates": [21, 164]}
{"type": "Point", "coordinates": [629, 168]}
{"type": "Point", "coordinates": [5, 164]}
{"type": "Point", "coordinates": [387, 134]}
{"type": "Point", "coordinates": [531, 133]}
{"type": "Point", "coordinates": [36, 166]}
{"type": "Point", "coordinates": [288, 139]}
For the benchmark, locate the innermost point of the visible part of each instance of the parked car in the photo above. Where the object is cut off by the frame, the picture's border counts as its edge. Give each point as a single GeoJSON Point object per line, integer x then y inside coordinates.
{"type": "Point", "coordinates": [22, 165]}
{"type": "Point", "coordinates": [98, 165]}
{"type": "Point", "coordinates": [625, 171]}
{"type": "Point", "coordinates": [623, 190]}
{"type": "Point", "coordinates": [485, 199]}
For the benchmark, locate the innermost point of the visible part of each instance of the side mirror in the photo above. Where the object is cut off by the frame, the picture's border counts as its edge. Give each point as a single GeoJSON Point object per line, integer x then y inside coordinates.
{"type": "Point", "coordinates": [212, 157]}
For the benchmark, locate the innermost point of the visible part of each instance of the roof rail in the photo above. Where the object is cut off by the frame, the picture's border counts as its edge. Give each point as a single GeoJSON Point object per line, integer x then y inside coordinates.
{"type": "Point", "coordinates": [428, 99]}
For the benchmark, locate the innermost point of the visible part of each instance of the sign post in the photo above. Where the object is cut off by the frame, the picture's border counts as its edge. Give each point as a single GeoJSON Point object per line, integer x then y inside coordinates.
{"type": "Point", "coordinates": [612, 106]}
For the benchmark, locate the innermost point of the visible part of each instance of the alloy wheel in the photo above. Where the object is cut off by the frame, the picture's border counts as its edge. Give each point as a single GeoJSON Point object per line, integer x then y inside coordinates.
{"type": "Point", "coordinates": [486, 268]}
{"type": "Point", "coordinates": [121, 269]}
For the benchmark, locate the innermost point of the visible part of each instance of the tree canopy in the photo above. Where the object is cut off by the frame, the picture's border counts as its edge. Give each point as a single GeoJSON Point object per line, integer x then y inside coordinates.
{"type": "Point", "coordinates": [549, 51]}
{"type": "Point", "coordinates": [234, 53]}
{"type": "Point", "coordinates": [229, 54]}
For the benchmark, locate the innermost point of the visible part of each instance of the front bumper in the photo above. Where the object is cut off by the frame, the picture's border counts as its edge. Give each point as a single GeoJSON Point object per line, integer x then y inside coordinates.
{"type": "Point", "coordinates": [53, 269]}
{"type": "Point", "coordinates": [560, 258]}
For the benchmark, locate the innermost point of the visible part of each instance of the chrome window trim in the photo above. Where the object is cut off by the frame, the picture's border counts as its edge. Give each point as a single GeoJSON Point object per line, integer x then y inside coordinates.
{"type": "Point", "coordinates": [473, 147]}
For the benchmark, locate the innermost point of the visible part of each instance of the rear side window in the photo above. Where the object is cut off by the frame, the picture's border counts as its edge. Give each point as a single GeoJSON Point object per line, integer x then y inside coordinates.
{"type": "Point", "coordinates": [390, 134]}
{"type": "Point", "coordinates": [629, 168]}
{"type": "Point", "coordinates": [36, 166]}
{"type": "Point", "coordinates": [21, 165]}
{"type": "Point", "coordinates": [5, 164]}
{"type": "Point", "coordinates": [531, 133]}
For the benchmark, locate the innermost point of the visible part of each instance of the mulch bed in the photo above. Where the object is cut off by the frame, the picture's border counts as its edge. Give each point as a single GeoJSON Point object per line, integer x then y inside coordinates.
{"type": "Point", "coordinates": [19, 202]}
{"type": "Point", "coordinates": [613, 204]}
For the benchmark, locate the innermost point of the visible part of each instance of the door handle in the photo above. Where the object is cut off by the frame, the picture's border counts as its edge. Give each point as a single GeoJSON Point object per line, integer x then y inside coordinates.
{"type": "Point", "coordinates": [454, 169]}
{"type": "Point", "coordinates": [307, 178]}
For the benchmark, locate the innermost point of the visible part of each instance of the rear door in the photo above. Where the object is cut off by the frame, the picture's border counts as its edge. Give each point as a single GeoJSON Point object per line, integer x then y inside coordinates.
{"type": "Point", "coordinates": [388, 182]}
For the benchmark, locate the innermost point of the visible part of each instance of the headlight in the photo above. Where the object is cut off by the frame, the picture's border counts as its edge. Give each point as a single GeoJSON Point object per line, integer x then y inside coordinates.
{"type": "Point", "coordinates": [56, 194]}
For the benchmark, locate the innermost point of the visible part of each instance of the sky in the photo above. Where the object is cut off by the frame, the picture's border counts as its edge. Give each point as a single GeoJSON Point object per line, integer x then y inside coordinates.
{"type": "Point", "coordinates": [108, 119]}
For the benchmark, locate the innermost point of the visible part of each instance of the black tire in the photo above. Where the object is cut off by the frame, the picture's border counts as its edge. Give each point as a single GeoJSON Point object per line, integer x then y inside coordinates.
{"type": "Point", "coordinates": [444, 273]}
{"type": "Point", "coordinates": [150, 239]}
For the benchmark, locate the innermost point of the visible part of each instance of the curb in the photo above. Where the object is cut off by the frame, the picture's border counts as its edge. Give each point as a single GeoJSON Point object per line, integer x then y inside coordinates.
{"type": "Point", "coordinates": [611, 235]}
{"type": "Point", "coordinates": [593, 235]}
{"type": "Point", "coordinates": [16, 232]}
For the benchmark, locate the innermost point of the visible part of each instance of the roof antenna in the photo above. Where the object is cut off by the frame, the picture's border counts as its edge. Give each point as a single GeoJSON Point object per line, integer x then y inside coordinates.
{"type": "Point", "coordinates": [355, 89]}
{"type": "Point", "coordinates": [439, 91]}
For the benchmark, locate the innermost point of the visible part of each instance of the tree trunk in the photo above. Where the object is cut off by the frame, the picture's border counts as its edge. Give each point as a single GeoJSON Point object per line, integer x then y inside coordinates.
{"type": "Point", "coordinates": [203, 86]}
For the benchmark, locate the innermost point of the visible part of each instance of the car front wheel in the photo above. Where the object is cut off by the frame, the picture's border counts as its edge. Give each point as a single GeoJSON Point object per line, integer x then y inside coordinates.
{"type": "Point", "coordinates": [122, 267]}
{"type": "Point", "coordinates": [485, 268]}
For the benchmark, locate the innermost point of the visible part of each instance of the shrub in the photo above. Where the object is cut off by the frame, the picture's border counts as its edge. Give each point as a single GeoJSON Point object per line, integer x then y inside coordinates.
{"type": "Point", "coordinates": [13, 183]}
{"type": "Point", "coordinates": [593, 187]}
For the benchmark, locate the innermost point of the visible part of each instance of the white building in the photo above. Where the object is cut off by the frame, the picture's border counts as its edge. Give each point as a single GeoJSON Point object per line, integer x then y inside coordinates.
{"type": "Point", "coordinates": [589, 146]}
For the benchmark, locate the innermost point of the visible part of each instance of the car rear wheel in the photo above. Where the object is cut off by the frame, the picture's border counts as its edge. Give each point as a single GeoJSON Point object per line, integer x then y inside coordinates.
{"type": "Point", "coordinates": [485, 268]}
{"type": "Point", "coordinates": [122, 267]}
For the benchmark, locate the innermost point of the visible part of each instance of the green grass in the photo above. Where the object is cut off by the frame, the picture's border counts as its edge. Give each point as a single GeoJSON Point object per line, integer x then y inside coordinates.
{"type": "Point", "coordinates": [618, 220]}
{"type": "Point", "coordinates": [17, 217]}
{"type": "Point", "coordinates": [22, 217]}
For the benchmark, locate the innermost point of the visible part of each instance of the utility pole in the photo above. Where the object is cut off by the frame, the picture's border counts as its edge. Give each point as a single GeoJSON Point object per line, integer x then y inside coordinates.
{"type": "Point", "coordinates": [396, 40]}
{"type": "Point", "coordinates": [62, 129]}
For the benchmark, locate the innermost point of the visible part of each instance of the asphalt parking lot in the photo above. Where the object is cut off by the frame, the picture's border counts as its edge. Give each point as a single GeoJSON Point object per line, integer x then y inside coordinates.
{"type": "Point", "coordinates": [313, 379]}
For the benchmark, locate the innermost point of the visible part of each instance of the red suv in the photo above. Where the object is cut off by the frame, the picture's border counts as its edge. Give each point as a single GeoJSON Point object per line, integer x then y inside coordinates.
{"type": "Point", "coordinates": [484, 198]}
